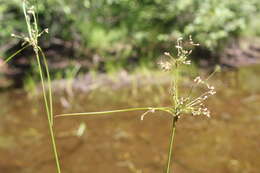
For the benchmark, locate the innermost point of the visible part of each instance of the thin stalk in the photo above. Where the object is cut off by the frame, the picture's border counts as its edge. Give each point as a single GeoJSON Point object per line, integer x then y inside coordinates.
{"type": "Point", "coordinates": [196, 84]}
{"type": "Point", "coordinates": [174, 120]}
{"type": "Point", "coordinates": [33, 41]}
{"type": "Point", "coordinates": [49, 85]}
{"type": "Point", "coordinates": [13, 55]}
{"type": "Point", "coordinates": [54, 148]}
{"type": "Point", "coordinates": [49, 116]}
{"type": "Point", "coordinates": [43, 86]}
{"type": "Point", "coordinates": [165, 109]}
{"type": "Point", "coordinates": [175, 85]}
{"type": "Point", "coordinates": [27, 20]}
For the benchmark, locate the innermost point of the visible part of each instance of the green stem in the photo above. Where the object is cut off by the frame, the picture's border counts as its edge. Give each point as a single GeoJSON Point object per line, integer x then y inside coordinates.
{"type": "Point", "coordinates": [49, 84]}
{"type": "Point", "coordinates": [176, 80]}
{"type": "Point", "coordinates": [27, 20]}
{"type": "Point", "coordinates": [165, 109]}
{"type": "Point", "coordinates": [33, 41]}
{"type": "Point", "coordinates": [43, 86]}
{"type": "Point", "coordinates": [13, 55]}
{"type": "Point", "coordinates": [54, 148]}
{"type": "Point", "coordinates": [49, 116]}
{"type": "Point", "coordinates": [174, 120]}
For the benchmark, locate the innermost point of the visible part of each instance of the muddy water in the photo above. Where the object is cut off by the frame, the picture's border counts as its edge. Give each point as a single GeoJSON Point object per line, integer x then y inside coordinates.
{"type": "Point", "coordinates": [229, 142]}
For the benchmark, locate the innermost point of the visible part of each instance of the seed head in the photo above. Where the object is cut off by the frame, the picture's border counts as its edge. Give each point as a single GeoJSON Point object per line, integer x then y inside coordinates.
{"type": "Point", "coordinates": [167, 53]}
{"type": "Point", "coordinates": [166, 66]}
{"type": "Point", "coordinates": [46, 30]}
{"type": "Point", "coordinates": [197, 80]}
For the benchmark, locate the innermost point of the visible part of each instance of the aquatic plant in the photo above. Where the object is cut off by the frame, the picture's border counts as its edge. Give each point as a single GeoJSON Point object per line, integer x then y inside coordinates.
{"type": "Point", "coordinates": [181, 105]}
{"type": "Point", "coordinates": [31, 40]}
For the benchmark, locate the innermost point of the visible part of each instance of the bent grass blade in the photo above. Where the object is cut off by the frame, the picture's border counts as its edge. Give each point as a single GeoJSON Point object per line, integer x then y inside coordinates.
{"type": "Point", "coordinates": [14, 54]}
{"type": "Point", "coordinates": [165, 109]}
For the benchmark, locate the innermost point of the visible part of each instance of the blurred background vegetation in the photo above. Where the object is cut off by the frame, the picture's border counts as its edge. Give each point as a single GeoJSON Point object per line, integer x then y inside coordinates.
{"type": "Point", "coordinates": [106, 35]}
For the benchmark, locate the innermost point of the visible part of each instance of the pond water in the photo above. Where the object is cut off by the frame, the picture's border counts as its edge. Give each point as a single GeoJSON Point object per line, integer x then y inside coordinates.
{"type": "Point", "coordinates": [228, 142]}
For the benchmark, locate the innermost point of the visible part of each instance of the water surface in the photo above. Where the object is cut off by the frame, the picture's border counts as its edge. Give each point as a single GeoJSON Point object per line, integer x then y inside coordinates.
{"type": "Point", "coordinates": [228, 142]}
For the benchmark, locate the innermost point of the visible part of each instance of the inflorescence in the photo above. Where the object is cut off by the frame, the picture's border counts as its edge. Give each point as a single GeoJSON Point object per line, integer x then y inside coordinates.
{"type": "Point", "coordinates": [187, 105]}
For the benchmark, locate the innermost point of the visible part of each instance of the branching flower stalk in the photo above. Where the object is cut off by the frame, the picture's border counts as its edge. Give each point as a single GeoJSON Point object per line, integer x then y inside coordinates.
{"type": "Point", "coordinates": [180, 105]}
{"type": "Point", "coordinates": [32, 40]}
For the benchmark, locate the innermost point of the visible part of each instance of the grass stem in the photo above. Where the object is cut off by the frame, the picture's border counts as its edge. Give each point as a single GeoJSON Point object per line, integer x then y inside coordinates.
{"type": "Point", "coordinates": [33, 41]}
{"type": "Point", "coordinates": [54, 148]}
{"type": "Point", "coordinates": [49, 114]}
{"type": "Point", "coordinates": [173, 127]}
{"type": "Point", "coordinates": [165, 109]}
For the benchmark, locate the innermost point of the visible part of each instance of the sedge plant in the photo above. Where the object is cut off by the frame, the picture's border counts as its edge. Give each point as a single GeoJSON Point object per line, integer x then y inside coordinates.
{"type": "Point", "coordinates": [181, 104]}
{"type": "Point", "coordinates": [31, 40]}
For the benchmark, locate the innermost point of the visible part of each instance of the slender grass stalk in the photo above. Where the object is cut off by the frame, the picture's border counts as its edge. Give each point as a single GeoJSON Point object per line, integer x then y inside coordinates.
{"type": "Point", "coordinates": [49, 84]}
{"type": "Point", "coordinates": [33, 41]}
{"type": "Point", "coordinates": [14, 54]}
{"type": "Point", "coordinates": [49, 114]}
{"type": "Point", "coordinates": [175, 84]}
{"type": "Point", "coordinates": [175, 117]}
{"type": "Point", "coordinates": [173, 127]}
{"type": "Point", "coordinates": [165, 109]}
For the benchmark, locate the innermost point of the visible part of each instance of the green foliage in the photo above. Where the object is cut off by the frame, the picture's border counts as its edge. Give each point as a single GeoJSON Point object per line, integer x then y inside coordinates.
{"type": "Point", "coordinates": [125, 29]}
{"type": "Point", "coordinates": [11, 18]}
{"type": "Point", "coordinates": [216, 21]}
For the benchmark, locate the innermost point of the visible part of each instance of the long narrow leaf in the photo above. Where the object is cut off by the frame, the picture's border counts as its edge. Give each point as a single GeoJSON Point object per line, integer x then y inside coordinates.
{"type": "Point", "coordinates": [14, 54]}
{"type": "Point", "coordinates": [166, 109]}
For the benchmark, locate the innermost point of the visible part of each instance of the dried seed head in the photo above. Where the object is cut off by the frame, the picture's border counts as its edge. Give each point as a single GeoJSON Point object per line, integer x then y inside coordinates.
{"type": "Point", "coordinates": [191, 41]}
{"type": "Point", "coordinates": [187, 105]}
{"type": "Point", "coordinates": [26, 39]}
{"type": "Point", "coordinates": [218, 68]}
{"type": "Point", "coordinates": [179, 39]}
{"type": "Point", "coordinates": [211, 87]}
{"type": "Point", "coordinates": [167, 53]}
{"type": "Point", "coordinates": [165, 66]}
{"type": "Point", "coordinates": [212, 92]}
{"type": "Point", "coordinates": [178, 47]}
{"type": "Point", "coordinates": [197, 80]}
{"type": "Point", "coordinates": [187, 62]}
{"type": "Point", "coordinates": [46, 30]}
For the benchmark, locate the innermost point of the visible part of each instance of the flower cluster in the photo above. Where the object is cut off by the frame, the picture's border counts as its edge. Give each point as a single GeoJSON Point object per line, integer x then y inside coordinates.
{"type": "Point", "coordinates": [181, 58]}
{"type": "Point", "coordinates": [193, 106]}
{"type": "Point", "coordinates": [196, 106]}
{"type": "Point", "coordinates": [34, 34]}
